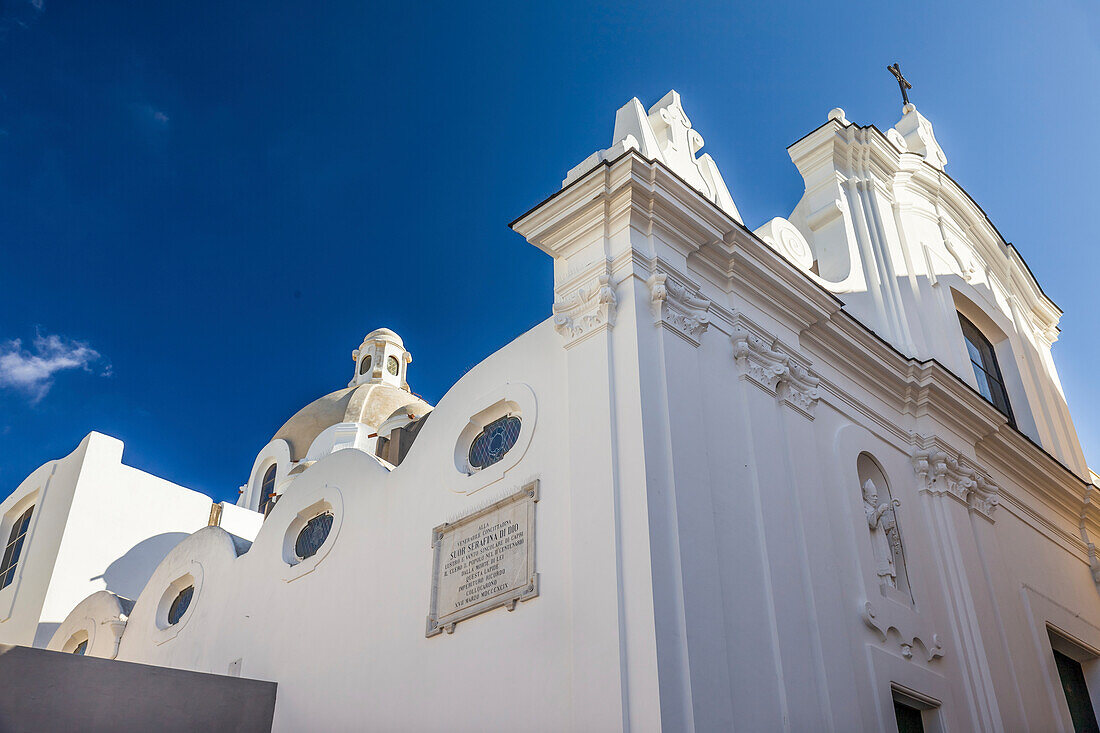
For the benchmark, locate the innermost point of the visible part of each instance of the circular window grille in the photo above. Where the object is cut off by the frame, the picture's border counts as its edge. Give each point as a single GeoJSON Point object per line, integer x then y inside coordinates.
{"type": "Point", "coordinates": [180, 604]}
{"type": "Point", "coordinates": [313, 535]}
{"type": "Point", "coordinates": [494, 441]}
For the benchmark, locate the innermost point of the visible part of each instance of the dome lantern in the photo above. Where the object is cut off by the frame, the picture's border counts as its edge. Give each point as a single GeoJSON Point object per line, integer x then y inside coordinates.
{"type": "Point", "coordinates": [381, 359]}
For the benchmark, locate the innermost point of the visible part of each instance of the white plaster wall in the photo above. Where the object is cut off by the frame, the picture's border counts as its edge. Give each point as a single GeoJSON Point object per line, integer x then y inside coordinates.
{"type": "Point", "coordinates": [346, 641]}
{"type": "Point", "coordinates": [98, 525]}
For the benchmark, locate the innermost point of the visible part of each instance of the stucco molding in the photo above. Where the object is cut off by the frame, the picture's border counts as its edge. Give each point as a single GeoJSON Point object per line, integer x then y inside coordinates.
{"type": "Point", "coordinates": [587, 310]}
{"type": "Point", "coordinates": [938, 472]}
{"type": "Point", "coordinates": [678, 308]}
{"type": "Point", "coordinates": [905, 626]}
{"type": "Point", "coordinates": [761, 360]}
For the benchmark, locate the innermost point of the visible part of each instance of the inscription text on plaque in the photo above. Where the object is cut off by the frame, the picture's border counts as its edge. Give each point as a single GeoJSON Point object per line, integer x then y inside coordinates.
{"type": "Point", "coordinates": [484, 560]}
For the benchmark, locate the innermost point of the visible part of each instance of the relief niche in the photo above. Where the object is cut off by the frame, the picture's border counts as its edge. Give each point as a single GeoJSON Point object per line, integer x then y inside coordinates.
{"type": "Point", "coordinates": [884, 531]}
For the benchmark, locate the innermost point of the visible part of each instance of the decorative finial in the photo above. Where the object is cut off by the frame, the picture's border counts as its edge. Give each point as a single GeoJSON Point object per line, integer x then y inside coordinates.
{"type": "Point", "coordinates": [902, 83]}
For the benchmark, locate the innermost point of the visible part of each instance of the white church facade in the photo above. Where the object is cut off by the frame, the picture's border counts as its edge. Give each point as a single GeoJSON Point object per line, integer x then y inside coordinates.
{"type": "Point", "coordinates": [820, 476]}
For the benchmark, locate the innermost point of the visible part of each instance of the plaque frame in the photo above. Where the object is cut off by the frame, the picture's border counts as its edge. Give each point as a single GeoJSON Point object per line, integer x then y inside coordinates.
{"type": "Point", "coordinates": [437, 623]}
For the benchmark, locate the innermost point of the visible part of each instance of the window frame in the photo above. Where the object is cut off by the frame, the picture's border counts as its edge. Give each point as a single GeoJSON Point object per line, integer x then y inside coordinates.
{"type": "Point", "coordinates": [267, 489]}
{"type": "Point", "coordinates": [927, 707]}
{"type": "Point", "coordinates": [1062, 645]}
{"type": "Point", "coordinates": [988, 374]}
{"type": "Point", "coordinates": [13, 549]}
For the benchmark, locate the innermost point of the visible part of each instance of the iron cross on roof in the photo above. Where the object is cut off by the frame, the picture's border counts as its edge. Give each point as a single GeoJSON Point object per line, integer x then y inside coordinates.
{"type": "Point", "coordinates": [905, 86]}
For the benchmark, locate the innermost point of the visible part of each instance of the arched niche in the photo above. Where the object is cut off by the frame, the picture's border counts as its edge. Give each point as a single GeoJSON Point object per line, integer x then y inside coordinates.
{"type": "Point", "coordinates": [884, 530]}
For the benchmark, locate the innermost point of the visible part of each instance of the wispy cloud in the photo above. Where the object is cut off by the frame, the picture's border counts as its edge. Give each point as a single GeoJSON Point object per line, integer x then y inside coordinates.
{"type": "Point", "coordinates": [20, 14]}
{"type": "Point", "coordinates": [31, 371]}
{"type": "Point", "coordinates": [150, 115]}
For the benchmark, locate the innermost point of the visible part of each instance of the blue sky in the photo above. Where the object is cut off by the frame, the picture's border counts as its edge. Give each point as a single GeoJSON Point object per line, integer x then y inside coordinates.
{"type": "Point", "coordinates": [204, 207]}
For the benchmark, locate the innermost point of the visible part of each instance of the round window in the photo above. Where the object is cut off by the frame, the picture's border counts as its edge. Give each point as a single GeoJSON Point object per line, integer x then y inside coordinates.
{"type": "Point", "coordinates": [392, 365]}
{"type": "Point", "coordinates": [180, 604]}
{"type": "Point", "coordinates": [490, 445]}
{"type": "Point", "coordinates": [313, 535]}
{"type": "Point", "coordinates": [364, 366]}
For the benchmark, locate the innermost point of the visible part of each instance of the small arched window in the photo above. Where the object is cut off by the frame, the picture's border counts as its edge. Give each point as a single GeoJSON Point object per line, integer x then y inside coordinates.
{"type": "Point", "coordinates": [364, 366]}
{"type": "Point", "coordinates": [986, 369]}
{"type": "Point", "coordinates": [313, 535]}
{"type": "Point", "coordinates": [490, 445]}
{"type": "Point", "coordinates": [267, 490]}
{"type": "Point", "coordinates": [81, 648]}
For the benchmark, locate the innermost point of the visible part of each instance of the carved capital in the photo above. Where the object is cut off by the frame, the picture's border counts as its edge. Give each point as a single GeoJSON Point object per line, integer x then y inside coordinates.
{"type": "Point", "coordinates": [761, 361]}
{"type": "Point", "coordinates": [940, 473]}
{"type": "Point", "coordinates": [677, 308]}
{"type": "Point", "coordinates": [587, 310]}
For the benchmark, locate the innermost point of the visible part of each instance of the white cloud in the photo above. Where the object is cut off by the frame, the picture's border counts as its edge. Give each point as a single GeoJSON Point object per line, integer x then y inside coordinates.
{"type": "Point", "coordinates": [32, 370]}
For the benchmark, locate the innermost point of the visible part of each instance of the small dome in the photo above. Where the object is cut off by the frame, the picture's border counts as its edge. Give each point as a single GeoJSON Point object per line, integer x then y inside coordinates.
{"type": "Point", "coordinates": [385, 334]}
{"type": "Point", "coordinates": [367, 404]}
{"type": "Point", "coordinates": [377, 392]}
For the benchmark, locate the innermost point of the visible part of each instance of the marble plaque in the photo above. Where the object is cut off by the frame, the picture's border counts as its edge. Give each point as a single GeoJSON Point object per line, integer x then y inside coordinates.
{"type": "Point", "coordinates": [484, 560]}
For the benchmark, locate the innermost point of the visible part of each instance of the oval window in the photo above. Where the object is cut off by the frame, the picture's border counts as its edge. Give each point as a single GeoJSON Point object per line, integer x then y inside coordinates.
{"type": "Point", "coordinates": [364, 366]}
{"type": "Point", "coordinates": [494, 441]}
{"type": "Point", "coordinates": [392, 366]}
{"type": "Point", "coordinates": [180, 604]}
{"type": "Point", "coordinates": [313, 535]}
{"type": "Point", "coordinates": [81, 648]}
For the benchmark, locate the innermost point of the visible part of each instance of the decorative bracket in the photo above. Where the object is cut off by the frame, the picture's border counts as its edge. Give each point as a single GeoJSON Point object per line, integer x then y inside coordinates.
{"type": "Point", "coordinates": [677, 308]}
{"type": "Point", "coordinates": [760, 361]}
{"type": "Point", "coordinates": [589, 309]}
{"type": "Point", "coordinates": [940, 473]}
{"type": "Point", "coordinates": [906, 640]}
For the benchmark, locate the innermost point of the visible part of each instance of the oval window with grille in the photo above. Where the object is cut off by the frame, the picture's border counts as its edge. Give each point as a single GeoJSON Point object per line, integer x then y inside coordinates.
{"type": "Point", "coordinates": [496, 439]}
{"type": "Point", "coordinates": [313, 535]}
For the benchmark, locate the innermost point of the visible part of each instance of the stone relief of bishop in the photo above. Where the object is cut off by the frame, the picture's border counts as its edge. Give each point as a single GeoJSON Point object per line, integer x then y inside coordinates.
{"type": "Point", "coordinates": [885, 537]}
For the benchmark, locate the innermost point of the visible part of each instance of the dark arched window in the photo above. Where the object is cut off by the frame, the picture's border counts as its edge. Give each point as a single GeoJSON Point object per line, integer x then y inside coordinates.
{"type": "Point", "coordinates": [490, 445]}
{"type": "Point", "coordinates": [313, 535]}
{"type": "Point", "coordinates": [364, 366]}
{"type": "Point", "coordinates": [14, 548]}
{"type": "Point", "coordinates": [267, 490]}
{"type": "Point", "coordinates": [986, 370]}
{"type": "Point", "coordinates": [81, 648]}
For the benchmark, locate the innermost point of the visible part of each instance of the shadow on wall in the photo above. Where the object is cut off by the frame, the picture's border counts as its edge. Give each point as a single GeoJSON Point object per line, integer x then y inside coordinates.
{"type": "Point", "coordinates": [128, 575]}
{"type": "Point", "coordinates": [43, 634]}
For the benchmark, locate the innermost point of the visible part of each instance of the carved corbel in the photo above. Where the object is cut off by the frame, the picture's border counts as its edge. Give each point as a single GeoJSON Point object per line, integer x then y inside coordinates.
{"type": "Point", "coordinates": [966, 267]}
{"type": "Point", "coordinates": [587, 310]}
{"type": "Point", "coordinates": [762, 362]}
{"type": "Point", "coordinates": [907, 639]}
{"type": "Point", "coordinates": [675, 307]}
{"type": "Point", "coordinates": [940, 473]}
{"type": "Point", "coordinates": [799, 389]}
{"type": "Point", "coordinates": [758, 360]}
